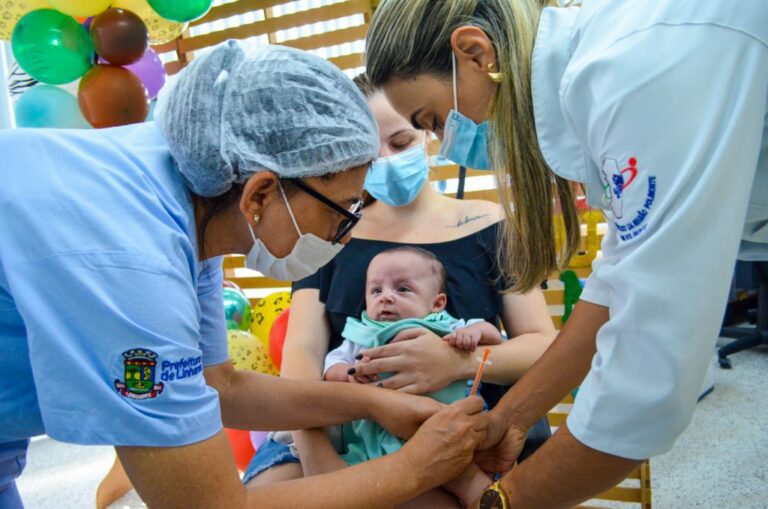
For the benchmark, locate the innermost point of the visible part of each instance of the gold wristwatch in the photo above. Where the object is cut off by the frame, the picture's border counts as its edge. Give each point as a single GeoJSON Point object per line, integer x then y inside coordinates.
{"type": "Point", "coordinates": [493, 497]}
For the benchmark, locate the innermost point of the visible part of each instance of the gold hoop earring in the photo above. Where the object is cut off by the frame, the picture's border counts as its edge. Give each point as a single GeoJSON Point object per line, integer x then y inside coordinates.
{"type": "Point", "coordinates": [495, 76]}
{"type": "Point", "coordinates": [256, 219]}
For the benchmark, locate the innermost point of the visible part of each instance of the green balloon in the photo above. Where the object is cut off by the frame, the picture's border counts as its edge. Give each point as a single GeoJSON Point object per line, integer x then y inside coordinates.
{"type": "Point", "coordinates": [52, 47]}
{"type": "Point", "coordinates": [175, 10]}
{"type": "Point", "coordinates": [237, 309]}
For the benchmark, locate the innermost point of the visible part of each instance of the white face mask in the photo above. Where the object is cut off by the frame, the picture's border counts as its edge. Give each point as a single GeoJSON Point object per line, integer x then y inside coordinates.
{"type": "Point", "coordinates": [308, 255]}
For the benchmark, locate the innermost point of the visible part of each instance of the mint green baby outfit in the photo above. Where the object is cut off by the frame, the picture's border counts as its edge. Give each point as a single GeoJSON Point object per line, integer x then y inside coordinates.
{"type": "Point", "coordinates": [365, 440]}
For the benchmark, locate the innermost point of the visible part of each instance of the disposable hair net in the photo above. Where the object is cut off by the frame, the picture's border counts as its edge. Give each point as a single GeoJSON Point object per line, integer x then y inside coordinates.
{"type": "Point", "coordinates": [241, 108]}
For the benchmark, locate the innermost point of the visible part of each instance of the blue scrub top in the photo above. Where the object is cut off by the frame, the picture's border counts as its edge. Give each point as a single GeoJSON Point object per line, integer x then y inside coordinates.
{"type": "Point", "coordinates": [107, 317]}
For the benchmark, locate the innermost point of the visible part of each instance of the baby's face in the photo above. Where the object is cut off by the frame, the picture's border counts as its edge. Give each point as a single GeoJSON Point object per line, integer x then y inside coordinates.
{"type": "Point", "coordinates": [401, 285]}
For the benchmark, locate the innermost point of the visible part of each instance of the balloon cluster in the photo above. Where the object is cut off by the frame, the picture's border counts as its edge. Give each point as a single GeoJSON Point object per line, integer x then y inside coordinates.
{"type": "Point", "coordinates": [256, 335]}
{"type": "Point", "coordinates": [104, 43]}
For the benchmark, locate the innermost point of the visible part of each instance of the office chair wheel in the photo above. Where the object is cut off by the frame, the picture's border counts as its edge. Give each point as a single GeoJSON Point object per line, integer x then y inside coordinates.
{"type": "Point", "coordinates": [724, 362]}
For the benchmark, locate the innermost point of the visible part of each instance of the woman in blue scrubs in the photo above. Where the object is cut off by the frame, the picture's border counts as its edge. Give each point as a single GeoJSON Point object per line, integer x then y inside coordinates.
{"type": "Point", "coordinates": [111, 323]}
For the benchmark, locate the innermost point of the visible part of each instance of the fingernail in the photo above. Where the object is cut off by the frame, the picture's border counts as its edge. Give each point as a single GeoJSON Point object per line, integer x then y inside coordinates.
{"type": "Point", "coordinates": [351, 371]}
{"type": "Point", "coordinates": [359, 356]}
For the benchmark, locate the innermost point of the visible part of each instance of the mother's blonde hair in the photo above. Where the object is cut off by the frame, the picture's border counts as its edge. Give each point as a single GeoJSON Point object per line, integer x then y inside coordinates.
{"type": "Point", "coordinates": [409, 38]}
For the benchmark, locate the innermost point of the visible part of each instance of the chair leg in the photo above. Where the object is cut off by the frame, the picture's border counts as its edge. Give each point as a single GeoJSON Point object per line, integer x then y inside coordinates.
{"type": "Point", "coordinates": [748, 338]}
{"type": "Point", "coordinates": [739, 345]}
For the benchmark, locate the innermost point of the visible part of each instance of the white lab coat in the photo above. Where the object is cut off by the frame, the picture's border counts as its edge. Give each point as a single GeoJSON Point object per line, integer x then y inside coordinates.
{"type": "Point", "coordinates": [659, 106]}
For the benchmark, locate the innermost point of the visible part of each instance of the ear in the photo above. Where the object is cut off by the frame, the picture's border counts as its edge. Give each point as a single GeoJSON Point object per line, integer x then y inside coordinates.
{"type": "Point", "coordinates": [440, 301]}
{"type": "Point", "coordinates": [260, 189]}
{"type": "Point", "coordinates": [473, 47]}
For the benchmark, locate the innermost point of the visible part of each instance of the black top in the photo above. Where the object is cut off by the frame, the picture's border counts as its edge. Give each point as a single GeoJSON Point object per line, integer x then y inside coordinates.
{"type": "Point", "coordinates": [473, 286]}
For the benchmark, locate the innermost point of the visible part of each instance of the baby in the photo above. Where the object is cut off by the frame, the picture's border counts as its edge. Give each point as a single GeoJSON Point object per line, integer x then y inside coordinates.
{"type": "Point", "coordinates": [404, 289]}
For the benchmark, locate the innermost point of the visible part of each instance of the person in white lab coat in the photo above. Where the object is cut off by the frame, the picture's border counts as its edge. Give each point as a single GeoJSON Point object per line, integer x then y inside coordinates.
{"type": "Point", "coordinates": [659, 108]}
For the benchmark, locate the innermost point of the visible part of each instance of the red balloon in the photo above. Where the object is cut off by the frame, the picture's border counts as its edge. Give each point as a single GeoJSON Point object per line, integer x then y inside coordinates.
{"type": "Point", "coordinates": [110, 96]}
{"type": "Point", "coordinates": [277, 337]}
{"type": "Point", "coordinates": [242, 449]}
{"type": "Point", "coordinates": [119, 36]}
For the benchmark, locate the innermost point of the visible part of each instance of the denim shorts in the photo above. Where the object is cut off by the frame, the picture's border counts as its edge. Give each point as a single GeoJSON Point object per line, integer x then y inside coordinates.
{"type": "Point", "coordinates": [271, 453]}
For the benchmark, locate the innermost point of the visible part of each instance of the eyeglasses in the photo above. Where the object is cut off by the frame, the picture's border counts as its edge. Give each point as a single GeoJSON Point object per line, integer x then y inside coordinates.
{"type": "Point", "coordinates": [351, 215]}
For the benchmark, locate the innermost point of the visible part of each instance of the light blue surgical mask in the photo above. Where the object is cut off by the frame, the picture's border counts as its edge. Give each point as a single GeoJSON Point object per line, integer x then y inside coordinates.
{"type": "Point", "coordinates": [464, 142]}
{"type": "Point", "coordinates": [396, 180]}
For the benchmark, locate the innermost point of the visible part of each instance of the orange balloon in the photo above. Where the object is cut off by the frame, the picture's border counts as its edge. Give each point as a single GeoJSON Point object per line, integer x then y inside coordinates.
{"type": "Point", "coordinates": [110, 96]}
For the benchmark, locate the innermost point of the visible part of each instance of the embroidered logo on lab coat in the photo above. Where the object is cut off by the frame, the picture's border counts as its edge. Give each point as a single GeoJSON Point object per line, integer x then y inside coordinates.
{"type": "Point", "coordinates": [139, 368]}
{"type": "Point", "coordinates": [615, 181]}
{"type": "Point", "coordinates": [630, 220]}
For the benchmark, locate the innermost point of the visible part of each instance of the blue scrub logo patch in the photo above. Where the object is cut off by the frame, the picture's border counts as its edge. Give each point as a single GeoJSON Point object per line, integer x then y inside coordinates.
{"type": "Point", "coordinates": [615, 181]}
{"type": "Point", "coordinates": [139, 367]}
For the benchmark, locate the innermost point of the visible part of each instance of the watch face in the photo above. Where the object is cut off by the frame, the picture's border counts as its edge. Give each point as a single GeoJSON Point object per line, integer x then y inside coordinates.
{"type": "Point", "coordinates": [491, 500]}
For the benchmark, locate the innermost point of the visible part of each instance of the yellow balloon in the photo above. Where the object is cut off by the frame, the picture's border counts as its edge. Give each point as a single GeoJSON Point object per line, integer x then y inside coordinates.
{"type": "Point", "coordinates": [247, 352]}
{"type": "Point", "coordinates": [11, 12]}
{"type": "Point", "coordinates": [81, 8]}
{"type": "Point", "coordinates": [160, 29]}
{"type": "Point", "coordinates": [265, 311]}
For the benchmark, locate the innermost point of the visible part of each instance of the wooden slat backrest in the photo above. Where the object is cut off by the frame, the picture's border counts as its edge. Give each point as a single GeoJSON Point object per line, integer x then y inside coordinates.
{"type": "Point", "coordinates": [272, 20]}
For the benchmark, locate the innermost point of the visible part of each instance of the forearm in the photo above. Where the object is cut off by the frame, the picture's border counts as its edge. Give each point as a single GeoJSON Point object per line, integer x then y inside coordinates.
{"type": "Point", "coordinates": [510, 360]}
{"type": "Point", "coordinates": [382, 483]}
{"type": "Point", "coordinates": [297, 400]}
{"type": "Point", "coordinates": [562, 367]}
{"type": "Point", "coordinates": [203, 475]}
{"type": "Point", "coordinates": [304, 360]}
{"type": "Point", "coordinates": [316, 452]}
{"type": "Point", "coordinates": [254, 401]}
{"type": "Point", "coordinates": [581, 473]}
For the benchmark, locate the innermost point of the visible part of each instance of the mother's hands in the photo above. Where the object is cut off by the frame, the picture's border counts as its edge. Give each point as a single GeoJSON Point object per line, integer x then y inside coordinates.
{"type": "Point", "coordinates": [421, 360]}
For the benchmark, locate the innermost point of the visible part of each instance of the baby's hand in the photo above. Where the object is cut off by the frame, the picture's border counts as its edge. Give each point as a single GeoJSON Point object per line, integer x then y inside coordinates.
{"type": "Point", "coordinates": [464, 338]}
{"type": "Point", "coordinates": [360, 379]}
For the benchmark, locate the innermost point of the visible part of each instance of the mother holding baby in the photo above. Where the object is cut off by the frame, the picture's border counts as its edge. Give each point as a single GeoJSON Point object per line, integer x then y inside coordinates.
{"type": "Point", "coordinates": [405, 210]}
